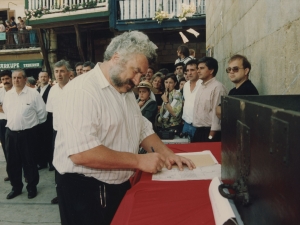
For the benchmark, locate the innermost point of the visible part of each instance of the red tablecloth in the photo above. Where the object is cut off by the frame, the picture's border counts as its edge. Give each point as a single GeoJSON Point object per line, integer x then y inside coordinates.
{"type": "Point", "coordinates": [168, 202]}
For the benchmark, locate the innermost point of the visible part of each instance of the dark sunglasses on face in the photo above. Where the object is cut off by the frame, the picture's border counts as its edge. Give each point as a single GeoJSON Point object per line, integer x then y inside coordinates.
{"type": "Point", "coordinates": [234, 69]}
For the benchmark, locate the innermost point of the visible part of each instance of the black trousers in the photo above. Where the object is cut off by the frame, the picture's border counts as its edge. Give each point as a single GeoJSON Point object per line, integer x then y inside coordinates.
{"type": "Point", "coordinates": [2, 136]}
{"type": "Point", "coordinates": [202, 133]}
{"type": "Point", "coordinates": [54, 132]}
{"type": "Point", "coordinates": [20, 148]}
{"type": "Point", "coordinates": [85, 200]}
{"type": "Point", "coordinates": [44, 154]}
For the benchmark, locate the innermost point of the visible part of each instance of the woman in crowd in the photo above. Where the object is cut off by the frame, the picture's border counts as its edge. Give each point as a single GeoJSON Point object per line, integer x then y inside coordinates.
{"type": "Point", "coordinates": [171, 109]}
{"type": "Point", "coordinates": [147, 105]}
{"type": "Point", "coordinates": [156, 82]}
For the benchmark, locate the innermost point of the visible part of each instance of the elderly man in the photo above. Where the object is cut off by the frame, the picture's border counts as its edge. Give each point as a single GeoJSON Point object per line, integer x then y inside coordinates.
{"type": "Point", "coordinates": [62, 71]}
{"type": "Point", "coordinates": [101, 129]}
{"type": "Point", "coordinates": [6, 80]}
{"type": "Point", "coordinates": [25, 109]}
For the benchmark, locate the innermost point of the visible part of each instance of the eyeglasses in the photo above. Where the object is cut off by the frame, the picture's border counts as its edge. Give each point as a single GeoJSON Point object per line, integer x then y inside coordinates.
{"type": "Point", "coordinates": [234, 69]}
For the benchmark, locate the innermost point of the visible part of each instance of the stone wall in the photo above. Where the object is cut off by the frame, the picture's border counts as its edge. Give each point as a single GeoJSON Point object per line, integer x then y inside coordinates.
{"type": "Point", "coordinates": [267, 32]}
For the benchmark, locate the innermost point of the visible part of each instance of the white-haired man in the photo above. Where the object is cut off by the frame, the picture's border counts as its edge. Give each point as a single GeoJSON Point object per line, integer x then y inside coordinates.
{"type": "Point", "coordinates": [101, 128]}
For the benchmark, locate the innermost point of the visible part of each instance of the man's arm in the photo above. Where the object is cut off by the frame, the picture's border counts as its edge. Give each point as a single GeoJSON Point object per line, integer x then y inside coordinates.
{"type": "Point", "coordinates": [102, 157]}
{"type": "Point", "coordinates": [153, 142]}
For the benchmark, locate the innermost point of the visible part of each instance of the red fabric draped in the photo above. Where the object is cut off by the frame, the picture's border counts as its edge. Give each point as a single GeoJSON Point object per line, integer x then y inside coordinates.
{"type": "Point", "coordinates": [168, 202]}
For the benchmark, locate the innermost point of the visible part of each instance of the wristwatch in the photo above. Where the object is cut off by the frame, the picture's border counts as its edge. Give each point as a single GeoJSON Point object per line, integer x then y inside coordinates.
{"type": "Point", "coordinates": [166, 102]}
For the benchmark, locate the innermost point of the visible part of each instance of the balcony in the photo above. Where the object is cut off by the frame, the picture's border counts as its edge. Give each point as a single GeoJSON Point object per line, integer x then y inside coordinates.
{"type": "Point", "coordinates": [25, 40]}
{"type": "Point", "coordinates": [139, 14]}
{"type": "Point", "coordinates": [48, 13]}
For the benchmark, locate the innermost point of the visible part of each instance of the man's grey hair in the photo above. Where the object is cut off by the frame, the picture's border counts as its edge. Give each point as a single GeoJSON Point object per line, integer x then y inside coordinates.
{"type": "Point", "coordinates": [129, 43]}
{"type": "Point", "coordinates": [21, 71]}
{"type": "Point", "coordinates": [31, 80]}
{"type": "Point", "coordinates": [63, 63]}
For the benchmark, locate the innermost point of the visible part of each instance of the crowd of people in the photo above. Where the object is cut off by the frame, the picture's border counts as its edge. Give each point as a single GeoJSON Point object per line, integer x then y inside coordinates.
{"type": "Point", "coordinates": [18, 35]}
{"type": "Point", "coordinates": [93, 120]}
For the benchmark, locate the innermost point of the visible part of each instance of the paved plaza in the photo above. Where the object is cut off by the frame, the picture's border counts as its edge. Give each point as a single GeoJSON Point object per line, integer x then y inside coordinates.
{"type": "Point", "coordinates": [22, 210]}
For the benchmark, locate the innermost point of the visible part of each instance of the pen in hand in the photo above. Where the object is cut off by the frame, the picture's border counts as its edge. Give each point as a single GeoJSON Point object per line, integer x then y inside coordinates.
{"type": "Point", "coordinates": [152, 149]}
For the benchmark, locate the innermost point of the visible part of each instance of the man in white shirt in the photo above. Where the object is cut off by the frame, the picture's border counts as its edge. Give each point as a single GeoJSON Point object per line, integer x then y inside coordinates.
{"type": "Point", "coordinates": [6, 80]}
{"type": "Point", "coordinates": [100, 130]}
{"type": "Point", "coordinates": [62, 71]}
{"type": "Point", "coordinates": [24, 109]}
{"type": "Point", "coordinates": [189, 93]}
{"type": "Point", "coordinates": [45, 153]}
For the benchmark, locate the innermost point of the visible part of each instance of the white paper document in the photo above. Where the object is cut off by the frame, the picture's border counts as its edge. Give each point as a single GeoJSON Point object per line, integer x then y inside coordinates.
{"type": "Point", "coordinates": [207, 167]}
{"type": "Point", "coordinates": [225, 212]}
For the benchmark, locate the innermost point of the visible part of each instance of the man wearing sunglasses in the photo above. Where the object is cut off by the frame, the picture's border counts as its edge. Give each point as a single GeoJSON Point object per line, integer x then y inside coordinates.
{"type": "Point", "coordinates": [238, 72]}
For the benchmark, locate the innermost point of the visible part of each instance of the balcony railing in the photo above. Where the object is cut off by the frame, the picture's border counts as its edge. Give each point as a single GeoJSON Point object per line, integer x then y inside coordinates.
{"type": "Point", "coordinates": [18, 39]}
{"type": "Point", "coordinates": [37, 9]}
{"type": "Point", "coordinates": [145, 9]}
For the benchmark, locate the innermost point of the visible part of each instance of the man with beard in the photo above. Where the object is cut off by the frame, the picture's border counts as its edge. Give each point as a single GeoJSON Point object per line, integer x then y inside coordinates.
{"type": "Point", "coordinates": [101, 129]}
{"type": "Point", "coordinates": [5, 77]}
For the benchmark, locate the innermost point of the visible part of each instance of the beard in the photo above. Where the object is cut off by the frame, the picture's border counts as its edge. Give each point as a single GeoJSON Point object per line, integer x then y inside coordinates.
{"type": "Point", "coordinates": [114, 73]}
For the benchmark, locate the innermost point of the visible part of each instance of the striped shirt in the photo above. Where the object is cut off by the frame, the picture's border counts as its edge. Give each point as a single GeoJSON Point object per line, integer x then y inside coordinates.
{"type": "Point", "coordinates": [208, 97]}
{"type": "Point", "coordinates": [94, 113]}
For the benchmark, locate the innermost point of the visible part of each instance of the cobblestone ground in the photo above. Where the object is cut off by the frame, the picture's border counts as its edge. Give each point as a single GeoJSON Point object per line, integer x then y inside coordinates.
{"type": "Point", "coordinates": [22, 210]}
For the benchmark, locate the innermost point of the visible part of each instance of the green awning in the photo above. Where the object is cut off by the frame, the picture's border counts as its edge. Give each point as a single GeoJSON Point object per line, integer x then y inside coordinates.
{"type": "Point", "coordinates": [24, 64]}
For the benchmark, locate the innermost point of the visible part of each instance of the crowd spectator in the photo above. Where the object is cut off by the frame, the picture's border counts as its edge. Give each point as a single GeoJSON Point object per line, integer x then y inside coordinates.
{"type": "Point", "coordinates": [78, 68]}
{"type": "Point", "coordinates": [14, 29]}
{"type": "Point", "coordinates": [2, 27]}
{"type": "Point", "coordinates": [192, 53]}
{"type": "Point", "coordinates": [238, 71]}
{"type": "Point", "coordinates": [183, 54]}
{"type": "Point", "coordinates": [147, 105]}
{"type": "Point", "coordinates": [72, 75]}
{"type": "Point", "coordinates": [6, 80]}
{"type": "Point", "coordinates": [31, 82]}
{"type": "Point", "coordinates": [179, 68]}
{"type": "Point", "coordinates": [171, 109]}
{"type": "Point", "coordinates": [25, 109]}
{"type": "Point", "coordinates": [181, 82]}
{"type": "Point", "coordinates": [87, 66]}
{"type": "Point", "coordinates": [164, 71]}
{"type": "Point", "coordinates": [208, 97]}
{"type": "Point", "coordinates": [21, 32]}
{"type": "Point", "coordinates": [157, 84]}
{"type": "Point", "coordinates": [45, 153]}
{"type": "Point", "coordinates": [190, 90]}
{"type": "Point", "coordinates": [9, 34]}
{"type": "Point", "coordinates": [149, 74]}
{"type": "Point", "coordinates": [62, 75]}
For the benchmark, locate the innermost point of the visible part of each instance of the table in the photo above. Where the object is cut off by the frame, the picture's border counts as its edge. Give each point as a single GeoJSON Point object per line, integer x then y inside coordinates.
{"type": "Point", "coordinates": [177, 140]}
{"type": "Point", "coordinates": [173, 202]}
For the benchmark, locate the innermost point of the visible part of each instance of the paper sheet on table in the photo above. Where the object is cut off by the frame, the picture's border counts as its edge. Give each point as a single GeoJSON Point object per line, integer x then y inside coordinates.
{"type": "Point", "coordinates": [207, 167]}
{"type": "Point", "coordinates": [225, 212]}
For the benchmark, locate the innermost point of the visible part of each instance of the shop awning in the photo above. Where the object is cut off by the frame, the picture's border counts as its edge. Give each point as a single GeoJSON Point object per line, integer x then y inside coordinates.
{"type": "Point", "coordinates": [24, 64]}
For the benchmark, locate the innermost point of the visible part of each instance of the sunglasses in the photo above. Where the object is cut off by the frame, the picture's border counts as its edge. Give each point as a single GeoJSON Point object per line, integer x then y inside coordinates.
{"type": "Point", "coordinates": [234, 69]}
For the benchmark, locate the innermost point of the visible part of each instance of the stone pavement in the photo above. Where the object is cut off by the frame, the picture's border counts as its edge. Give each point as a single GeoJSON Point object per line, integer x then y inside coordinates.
{"type": "Point", "coordinates": [21, 210]}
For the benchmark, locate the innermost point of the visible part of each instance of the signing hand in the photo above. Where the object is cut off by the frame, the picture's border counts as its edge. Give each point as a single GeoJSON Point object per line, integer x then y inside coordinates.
{"type": "Point", "coordinates": [151, 163]}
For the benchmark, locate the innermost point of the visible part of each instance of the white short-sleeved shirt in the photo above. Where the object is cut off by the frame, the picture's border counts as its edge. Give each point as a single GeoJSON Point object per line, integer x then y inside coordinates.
{"type": "Point", "coordinates": [54, 98]}
{"type": "Point", "coordinates": [2, 94]}
{"type": "Point", "coordinates": [94, 113]}
{"type": "Point", "coordinates": [189, 101]}
{"type": "Point", "coordinates": [24, 110]}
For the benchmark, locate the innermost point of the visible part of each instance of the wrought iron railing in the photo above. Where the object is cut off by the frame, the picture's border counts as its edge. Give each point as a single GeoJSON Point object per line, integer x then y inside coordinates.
{"type": "Point", "coordinates": [39, 8]}
{"type": "Point", "coordinates": [18, 39]}
{"type": "Point", "coordinates": [145, 9]}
